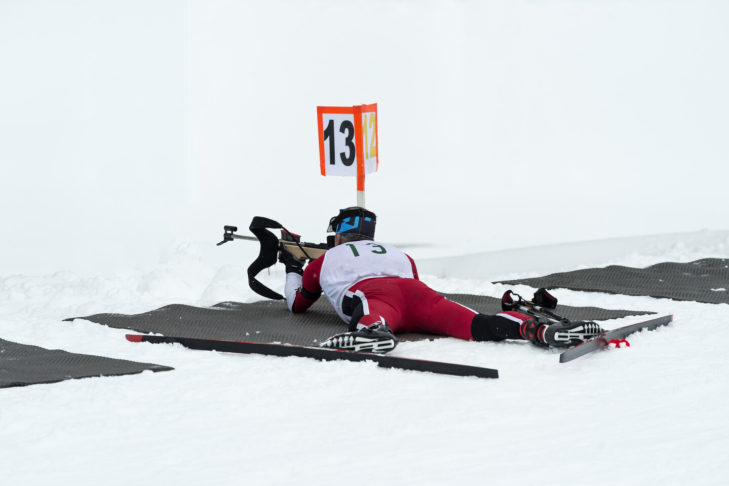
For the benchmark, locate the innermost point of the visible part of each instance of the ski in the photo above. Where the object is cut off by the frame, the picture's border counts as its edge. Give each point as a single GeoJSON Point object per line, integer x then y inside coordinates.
{"type": "Point", "coordinates": [322, 354]}
{"type": "Point", "coordinates": [605, 338]}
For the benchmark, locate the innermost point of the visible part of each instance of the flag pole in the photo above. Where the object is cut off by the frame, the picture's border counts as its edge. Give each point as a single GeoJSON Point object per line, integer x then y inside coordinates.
{"type": "Point", "coordinates": [360, 191]}
{"type": "Point", "coordinates": [360, 156]}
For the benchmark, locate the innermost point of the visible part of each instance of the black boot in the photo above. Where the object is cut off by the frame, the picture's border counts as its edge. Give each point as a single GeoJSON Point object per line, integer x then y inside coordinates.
{"type": "Point", "coordinates": [533, 330]}
{"type": "Point", "coordinates": [568, 334]}
{"type": "Point", "coordinates": [375, 338]}
{"type": "Point", "coordinates": [558, 334]}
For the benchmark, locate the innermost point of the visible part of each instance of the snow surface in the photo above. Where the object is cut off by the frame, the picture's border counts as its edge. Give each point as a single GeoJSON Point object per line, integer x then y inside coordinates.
{"type": "Point", "coordinates": [654, 413]}
{"type": "Point", "coordinates": [511, 131]}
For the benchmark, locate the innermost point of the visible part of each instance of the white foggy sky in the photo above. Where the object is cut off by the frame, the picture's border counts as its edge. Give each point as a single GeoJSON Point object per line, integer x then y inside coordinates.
{"type": "Point", "coordinates": [125, 126]}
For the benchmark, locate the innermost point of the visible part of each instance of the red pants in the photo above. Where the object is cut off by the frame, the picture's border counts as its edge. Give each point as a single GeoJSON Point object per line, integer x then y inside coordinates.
{"type": "Point", "coordinates": [408, 305]}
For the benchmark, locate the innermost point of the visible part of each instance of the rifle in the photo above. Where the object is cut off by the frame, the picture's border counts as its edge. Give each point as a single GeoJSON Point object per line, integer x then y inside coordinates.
{"type": "Point", "coordinates": [271, 246]}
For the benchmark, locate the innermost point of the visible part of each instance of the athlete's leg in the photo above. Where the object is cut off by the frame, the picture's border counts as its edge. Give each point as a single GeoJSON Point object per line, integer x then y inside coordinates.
{"type": "Point", "coordinates": [504, 325]}
{"type": "Point", "coordinates": [408, 305]}
{"type": "Point", "coordinates": [375, 300]}
{"type": "Point", "coordinates": [429, 311]}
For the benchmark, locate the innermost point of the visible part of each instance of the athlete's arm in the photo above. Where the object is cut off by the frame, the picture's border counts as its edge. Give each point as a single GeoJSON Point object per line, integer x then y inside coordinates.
{"type": "Point", "coordinates": [302, 291]}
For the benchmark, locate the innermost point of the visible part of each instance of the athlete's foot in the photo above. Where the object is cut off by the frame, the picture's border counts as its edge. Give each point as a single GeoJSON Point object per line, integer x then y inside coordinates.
{"type": "Point", "coordinates": [558, 334]}
{"type": "Point", "coordinates": [375, 338]}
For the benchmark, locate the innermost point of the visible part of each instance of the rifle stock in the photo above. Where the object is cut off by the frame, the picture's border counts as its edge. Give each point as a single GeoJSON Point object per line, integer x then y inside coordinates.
{"type": "Point", "coordinates": [313, 250]}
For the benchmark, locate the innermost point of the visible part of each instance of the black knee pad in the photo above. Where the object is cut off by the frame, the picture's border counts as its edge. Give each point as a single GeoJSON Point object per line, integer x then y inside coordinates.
{"type": "Point", "coordinates": [493, 328]}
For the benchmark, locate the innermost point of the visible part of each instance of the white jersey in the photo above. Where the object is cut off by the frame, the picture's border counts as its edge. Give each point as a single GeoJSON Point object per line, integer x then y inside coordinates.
{"type": "Point", "coordinates": [350, 263]}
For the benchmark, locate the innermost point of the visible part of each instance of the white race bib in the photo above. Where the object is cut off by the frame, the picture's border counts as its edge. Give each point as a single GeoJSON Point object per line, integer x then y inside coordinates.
{"type": "Point", "coordinates": [350, 263]}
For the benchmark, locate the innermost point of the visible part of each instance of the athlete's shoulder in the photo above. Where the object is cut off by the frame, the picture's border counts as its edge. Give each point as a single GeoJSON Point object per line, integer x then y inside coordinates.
{"type": "Point", "coordinates": [316, 263]}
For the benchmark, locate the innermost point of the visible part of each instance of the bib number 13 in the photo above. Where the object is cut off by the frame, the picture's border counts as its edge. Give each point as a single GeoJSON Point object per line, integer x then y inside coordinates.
{"type": "Point", "coordinates": [376, 249]}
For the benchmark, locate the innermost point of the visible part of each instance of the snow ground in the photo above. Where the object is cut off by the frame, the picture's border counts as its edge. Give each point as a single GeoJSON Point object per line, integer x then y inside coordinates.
{"type": "Point", "coordinates": [653, 413]}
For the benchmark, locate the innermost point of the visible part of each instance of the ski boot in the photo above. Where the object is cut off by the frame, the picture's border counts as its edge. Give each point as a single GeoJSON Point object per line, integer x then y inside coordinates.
{"type": "Point", "coordinates": [562, 334]}
{"type": "Point", "coordinates": [375, 338]}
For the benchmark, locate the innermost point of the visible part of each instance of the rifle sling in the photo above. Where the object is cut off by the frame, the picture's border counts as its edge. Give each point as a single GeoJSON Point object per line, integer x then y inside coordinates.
{"type": "Point", "coordinates": [266, 257]}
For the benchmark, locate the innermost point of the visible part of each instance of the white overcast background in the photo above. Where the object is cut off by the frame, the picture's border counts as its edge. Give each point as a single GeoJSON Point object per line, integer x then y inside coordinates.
{"type": "Point", "coordinates": [128, 126]}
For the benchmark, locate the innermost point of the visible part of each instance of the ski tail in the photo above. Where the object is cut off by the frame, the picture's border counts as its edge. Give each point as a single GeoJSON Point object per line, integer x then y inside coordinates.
{"type": "Point", "coordinates": [618, 334]}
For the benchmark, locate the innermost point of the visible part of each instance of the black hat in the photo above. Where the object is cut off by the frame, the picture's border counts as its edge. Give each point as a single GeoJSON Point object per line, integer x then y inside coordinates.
{"type": "Point", "coordinates": [353, 221]}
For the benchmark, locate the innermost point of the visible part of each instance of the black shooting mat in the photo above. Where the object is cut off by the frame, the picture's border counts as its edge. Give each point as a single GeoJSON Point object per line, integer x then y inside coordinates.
{"type": "Point", "coordinates": [270, 321]}
{"type": "Point", "coordinates": [704, 280]}
{"type": "Point", "coordinates": [22, 364]}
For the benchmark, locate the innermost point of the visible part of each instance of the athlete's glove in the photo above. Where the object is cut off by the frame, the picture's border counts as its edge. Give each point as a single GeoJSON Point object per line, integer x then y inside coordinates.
{"type": "Point", "coordinates": [293, 264]}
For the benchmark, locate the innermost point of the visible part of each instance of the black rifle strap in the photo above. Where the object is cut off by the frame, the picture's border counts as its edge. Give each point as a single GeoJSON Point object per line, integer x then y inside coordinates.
{"type": "Point", "coordinates": [267, 256]}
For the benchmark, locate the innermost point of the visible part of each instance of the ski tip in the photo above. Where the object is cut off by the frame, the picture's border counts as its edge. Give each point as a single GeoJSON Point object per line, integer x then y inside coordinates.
{"type": "Point", "coordinates": [134, 338]}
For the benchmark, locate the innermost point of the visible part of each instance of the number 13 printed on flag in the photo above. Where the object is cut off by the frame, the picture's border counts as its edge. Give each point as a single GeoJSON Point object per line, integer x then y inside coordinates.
{"type": "Point", "coordinates": [348, 140]}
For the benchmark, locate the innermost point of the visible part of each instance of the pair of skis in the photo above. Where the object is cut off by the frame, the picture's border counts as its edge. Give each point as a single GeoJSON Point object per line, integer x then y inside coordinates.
{"type": "Point", "coordinates": [528, 307]}
{"type": "Point", "coordinates": [323, 354]}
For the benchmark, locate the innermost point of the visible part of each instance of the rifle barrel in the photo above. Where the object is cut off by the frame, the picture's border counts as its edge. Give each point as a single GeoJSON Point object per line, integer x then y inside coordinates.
{"type": "Point", "coordinates": [242, 237]}
{"type": "Point", "coordinates": [291, 247]}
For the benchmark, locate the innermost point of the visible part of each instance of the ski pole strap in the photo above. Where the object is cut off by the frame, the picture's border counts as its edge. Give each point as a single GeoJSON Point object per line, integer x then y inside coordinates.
{"type": "Point", "coordinates": [267, 255]}
{"type": "Point", "coordinates": [511, 301]}
{"type": "Point", "coordinates": [507, 301]}
{"type": "Point", "coordinates": [542, 298]}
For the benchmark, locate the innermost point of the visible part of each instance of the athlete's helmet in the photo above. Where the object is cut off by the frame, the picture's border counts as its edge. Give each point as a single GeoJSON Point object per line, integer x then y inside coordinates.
{"type": "Point", "coordinates": [353, 221]}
